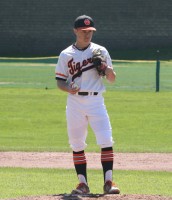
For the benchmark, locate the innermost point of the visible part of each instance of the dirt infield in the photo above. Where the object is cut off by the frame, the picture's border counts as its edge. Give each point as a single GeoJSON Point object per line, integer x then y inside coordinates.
{"type": "Point", "coordinates": [123, 161]}
{"type": "Point", "coordinates": [99, 197]}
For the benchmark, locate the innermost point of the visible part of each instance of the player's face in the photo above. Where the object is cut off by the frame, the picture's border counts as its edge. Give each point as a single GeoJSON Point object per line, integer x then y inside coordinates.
{"type": "Point", "coordinates": [84, 36]}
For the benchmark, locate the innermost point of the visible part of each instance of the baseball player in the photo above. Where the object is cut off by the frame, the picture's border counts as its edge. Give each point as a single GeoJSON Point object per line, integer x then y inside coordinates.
{"type": "Point", "coordinates": [79, 72]}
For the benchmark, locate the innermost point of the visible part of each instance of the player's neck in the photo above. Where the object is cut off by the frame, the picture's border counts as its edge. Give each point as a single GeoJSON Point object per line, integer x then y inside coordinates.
{"type": "Point", "coordinates": [81, 46]}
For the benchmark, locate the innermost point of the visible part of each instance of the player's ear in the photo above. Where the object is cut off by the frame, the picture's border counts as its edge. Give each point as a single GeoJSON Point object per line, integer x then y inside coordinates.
{"type": "Point", "coordinates": [75, 31]}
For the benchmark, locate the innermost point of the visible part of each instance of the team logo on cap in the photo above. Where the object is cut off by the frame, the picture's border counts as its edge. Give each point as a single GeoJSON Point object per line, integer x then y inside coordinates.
{"type": "Point", "coordinates": [87, 22]}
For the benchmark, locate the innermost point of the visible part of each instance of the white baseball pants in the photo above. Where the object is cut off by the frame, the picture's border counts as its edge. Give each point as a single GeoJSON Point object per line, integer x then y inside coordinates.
{"type": "Point", "coordinates": [84, 110]}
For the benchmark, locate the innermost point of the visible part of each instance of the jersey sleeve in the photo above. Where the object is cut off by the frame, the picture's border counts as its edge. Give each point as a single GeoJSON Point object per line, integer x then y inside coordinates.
{"type": "Point", "coordinates": [61, 69]}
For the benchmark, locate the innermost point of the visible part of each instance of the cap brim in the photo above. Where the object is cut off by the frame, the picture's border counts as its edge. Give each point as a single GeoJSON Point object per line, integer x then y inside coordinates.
{"type": "Point", "coordinates": [88, 28]}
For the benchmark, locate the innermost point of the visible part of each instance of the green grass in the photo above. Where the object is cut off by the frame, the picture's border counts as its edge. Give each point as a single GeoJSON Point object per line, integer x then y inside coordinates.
{"type": "Point", "coordinates": [27, 75]}
{"type": "Point", "coordinates": [34, 120]}
{"type": "Point", "coordinates": [141, 121]}
{"type": "Point", "coordinates": [39, 73]}
{"type": "Point", "coordinates": [16, 182]}
{"type": "Point", "coordinates": [141, 76]}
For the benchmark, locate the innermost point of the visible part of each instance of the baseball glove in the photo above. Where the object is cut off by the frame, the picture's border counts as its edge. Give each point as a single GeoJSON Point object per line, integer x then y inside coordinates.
{"type": "Point", "coordinates": [99, 62]}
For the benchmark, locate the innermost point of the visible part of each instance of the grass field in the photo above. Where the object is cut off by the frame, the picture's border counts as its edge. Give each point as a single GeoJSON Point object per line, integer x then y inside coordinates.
{"type": "Point", "coordinates": [33, 119]}
{"type": "Point", "coordinates": [31, 182]}
{"type": "Point", "coordinates": [39, 73]}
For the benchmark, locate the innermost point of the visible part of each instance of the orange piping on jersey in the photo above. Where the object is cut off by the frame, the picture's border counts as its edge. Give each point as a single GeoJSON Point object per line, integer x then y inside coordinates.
{"type": "Point", "coordinates": [61, 75]}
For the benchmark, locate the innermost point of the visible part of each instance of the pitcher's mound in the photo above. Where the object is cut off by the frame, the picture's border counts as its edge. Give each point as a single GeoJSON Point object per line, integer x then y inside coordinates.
{"type": "Point", "coordinates": [98, 197]}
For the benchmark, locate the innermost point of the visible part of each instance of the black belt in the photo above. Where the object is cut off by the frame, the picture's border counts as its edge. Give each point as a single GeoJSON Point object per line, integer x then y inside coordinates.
{"type": "Point", "coordinates": [87, 93]}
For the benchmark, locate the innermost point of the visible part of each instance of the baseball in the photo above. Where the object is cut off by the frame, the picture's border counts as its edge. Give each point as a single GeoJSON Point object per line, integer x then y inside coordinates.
{"type": "Point", "coordinates": [74, 86]}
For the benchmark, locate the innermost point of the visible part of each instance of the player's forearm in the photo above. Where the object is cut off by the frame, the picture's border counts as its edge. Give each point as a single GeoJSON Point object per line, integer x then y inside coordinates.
{"type": "Point", "coordinates": [62, 85]}
{"type": "Point", "coordinates": [110, 74]}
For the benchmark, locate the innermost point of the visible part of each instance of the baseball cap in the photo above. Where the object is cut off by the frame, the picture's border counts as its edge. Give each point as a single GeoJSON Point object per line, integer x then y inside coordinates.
{"type": "Point", "coordinates": [84, 22]}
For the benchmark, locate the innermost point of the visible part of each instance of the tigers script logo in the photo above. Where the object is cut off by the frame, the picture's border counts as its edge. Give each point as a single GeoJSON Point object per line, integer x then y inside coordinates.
{"type": "Point", "coordinates": [76, 67]}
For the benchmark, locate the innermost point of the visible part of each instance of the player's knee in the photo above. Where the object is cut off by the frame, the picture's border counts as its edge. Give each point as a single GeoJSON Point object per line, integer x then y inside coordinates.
{"type": "Point", "coordinates": [76, 147]}
{"type": "Point", "coordinates": [107, 142]}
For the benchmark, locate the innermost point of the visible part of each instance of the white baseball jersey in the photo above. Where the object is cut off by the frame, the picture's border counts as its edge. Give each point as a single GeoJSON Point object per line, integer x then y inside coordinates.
{"type": "Point", "coordinates": [76, 65]}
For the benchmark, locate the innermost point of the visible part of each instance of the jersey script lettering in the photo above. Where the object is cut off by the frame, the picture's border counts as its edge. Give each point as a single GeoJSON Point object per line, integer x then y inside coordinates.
{"type": "Point", "coordinates": [76, 67]}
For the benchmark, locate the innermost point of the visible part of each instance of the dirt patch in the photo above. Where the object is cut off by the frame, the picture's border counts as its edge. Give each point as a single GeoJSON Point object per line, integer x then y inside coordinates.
{"type": "Point", "coordinates": [99, 197]}
{"type": "Point", "coordinates": [122, 161]}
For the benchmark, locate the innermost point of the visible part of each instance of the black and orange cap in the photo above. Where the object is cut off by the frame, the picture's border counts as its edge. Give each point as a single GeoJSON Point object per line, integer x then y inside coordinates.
{"type": "Point", "coordinates": [84, 22]}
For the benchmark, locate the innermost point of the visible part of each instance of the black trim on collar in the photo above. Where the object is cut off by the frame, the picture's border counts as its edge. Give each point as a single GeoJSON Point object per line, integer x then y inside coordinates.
{"type": "Point", "coordinates": [81, 49]}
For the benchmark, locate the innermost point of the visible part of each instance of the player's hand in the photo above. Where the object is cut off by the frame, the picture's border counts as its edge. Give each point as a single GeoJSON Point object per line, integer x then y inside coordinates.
{"type": "Point", "coordinates": [73, 88]}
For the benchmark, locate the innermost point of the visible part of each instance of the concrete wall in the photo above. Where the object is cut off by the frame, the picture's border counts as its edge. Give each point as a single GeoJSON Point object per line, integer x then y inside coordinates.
{"type": "Point", "coordinates": [44, 27]}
